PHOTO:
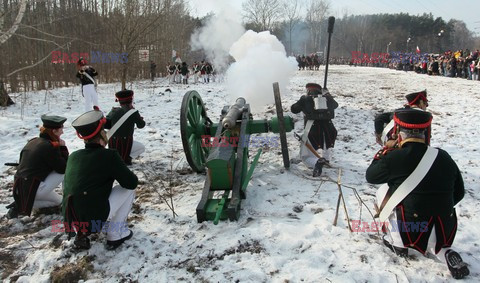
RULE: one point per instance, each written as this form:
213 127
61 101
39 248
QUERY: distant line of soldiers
309 62
180 73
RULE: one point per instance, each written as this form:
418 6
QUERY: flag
418 49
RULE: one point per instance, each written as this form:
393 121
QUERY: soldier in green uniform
423 186
89 196
41 169
121 121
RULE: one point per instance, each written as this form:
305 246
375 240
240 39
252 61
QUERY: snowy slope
285 231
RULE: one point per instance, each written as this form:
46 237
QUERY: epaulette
382 152
55 143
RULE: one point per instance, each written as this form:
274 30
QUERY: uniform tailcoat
433 199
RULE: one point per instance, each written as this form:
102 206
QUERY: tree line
40 53
302 29
53 34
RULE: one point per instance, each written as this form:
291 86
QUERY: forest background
42 49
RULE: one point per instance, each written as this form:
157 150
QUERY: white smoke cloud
260 60
218 34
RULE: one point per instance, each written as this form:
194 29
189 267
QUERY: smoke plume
260 60
220 31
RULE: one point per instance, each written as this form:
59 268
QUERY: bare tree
316 14
263 14
42 50
138 25
291 11
461 35
21 11
5 99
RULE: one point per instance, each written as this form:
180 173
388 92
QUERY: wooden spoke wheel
194 123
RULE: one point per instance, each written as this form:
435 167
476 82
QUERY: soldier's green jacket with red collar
89 180
432 200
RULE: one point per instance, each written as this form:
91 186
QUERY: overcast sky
465 10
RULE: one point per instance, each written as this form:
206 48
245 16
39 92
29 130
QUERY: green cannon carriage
221 150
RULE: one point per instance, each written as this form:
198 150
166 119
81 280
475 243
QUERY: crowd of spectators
454 64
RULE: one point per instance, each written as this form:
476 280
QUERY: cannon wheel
193 124
281 126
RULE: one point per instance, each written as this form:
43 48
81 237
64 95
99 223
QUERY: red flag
418 50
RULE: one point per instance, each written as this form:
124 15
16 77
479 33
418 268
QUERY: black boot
317 171
12 211
48 210
455 264
81 242
111 245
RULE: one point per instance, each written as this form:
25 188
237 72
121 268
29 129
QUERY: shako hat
81 62
313 89
415 97
89 124
53 121
410 118
124 96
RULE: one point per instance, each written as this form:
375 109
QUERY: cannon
221 151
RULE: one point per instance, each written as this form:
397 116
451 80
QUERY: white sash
120 122
89 77
387 130
410 183
308 126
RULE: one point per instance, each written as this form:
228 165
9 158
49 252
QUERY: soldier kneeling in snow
384 121
423 184
318 106
42 165
121 121
89 196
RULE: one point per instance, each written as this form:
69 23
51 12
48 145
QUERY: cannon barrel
233 113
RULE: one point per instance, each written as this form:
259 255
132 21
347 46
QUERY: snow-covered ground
285 231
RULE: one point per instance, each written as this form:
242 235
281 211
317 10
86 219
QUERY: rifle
11 164
307 144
